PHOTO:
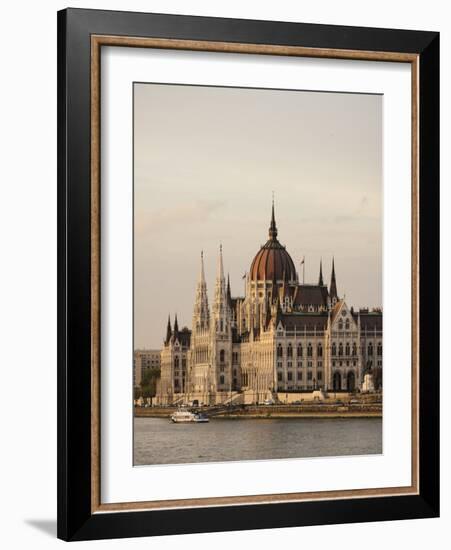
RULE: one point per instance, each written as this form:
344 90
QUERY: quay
307 410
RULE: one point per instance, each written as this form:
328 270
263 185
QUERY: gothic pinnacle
320 281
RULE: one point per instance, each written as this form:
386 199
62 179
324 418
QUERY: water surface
159 441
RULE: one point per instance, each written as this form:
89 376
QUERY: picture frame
81 36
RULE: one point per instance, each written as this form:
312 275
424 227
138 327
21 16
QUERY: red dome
272 261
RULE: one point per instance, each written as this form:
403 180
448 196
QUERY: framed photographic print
248 274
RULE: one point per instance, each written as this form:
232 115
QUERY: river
158 441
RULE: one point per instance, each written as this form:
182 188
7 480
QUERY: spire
176 325
220 264
229 294
272 227
333 283
168 331
202 272
220 305
201 313
320 281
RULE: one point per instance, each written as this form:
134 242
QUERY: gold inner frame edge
97 41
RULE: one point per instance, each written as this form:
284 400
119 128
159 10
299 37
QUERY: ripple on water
158 441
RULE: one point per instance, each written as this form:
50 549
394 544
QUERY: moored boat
188 416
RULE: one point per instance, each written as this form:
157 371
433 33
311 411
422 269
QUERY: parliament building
283 337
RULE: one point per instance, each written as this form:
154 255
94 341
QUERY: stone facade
282 336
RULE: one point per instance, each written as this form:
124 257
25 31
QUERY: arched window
279 351
222 356
176 362
370 349
340 349
347 324
379 348
221 379
309 350
340 325
289 351
347 349
299 350
354 349
334 349
319 350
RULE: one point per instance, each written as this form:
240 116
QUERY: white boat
188 416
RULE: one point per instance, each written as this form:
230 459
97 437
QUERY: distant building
282 336
144 359
174 357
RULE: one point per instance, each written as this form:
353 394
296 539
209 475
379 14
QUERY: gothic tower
201 314
221 332
221 313
199 377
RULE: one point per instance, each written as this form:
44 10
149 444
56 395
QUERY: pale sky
206 161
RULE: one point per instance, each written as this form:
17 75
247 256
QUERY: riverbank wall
277 411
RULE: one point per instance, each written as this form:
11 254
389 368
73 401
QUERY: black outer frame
75 520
